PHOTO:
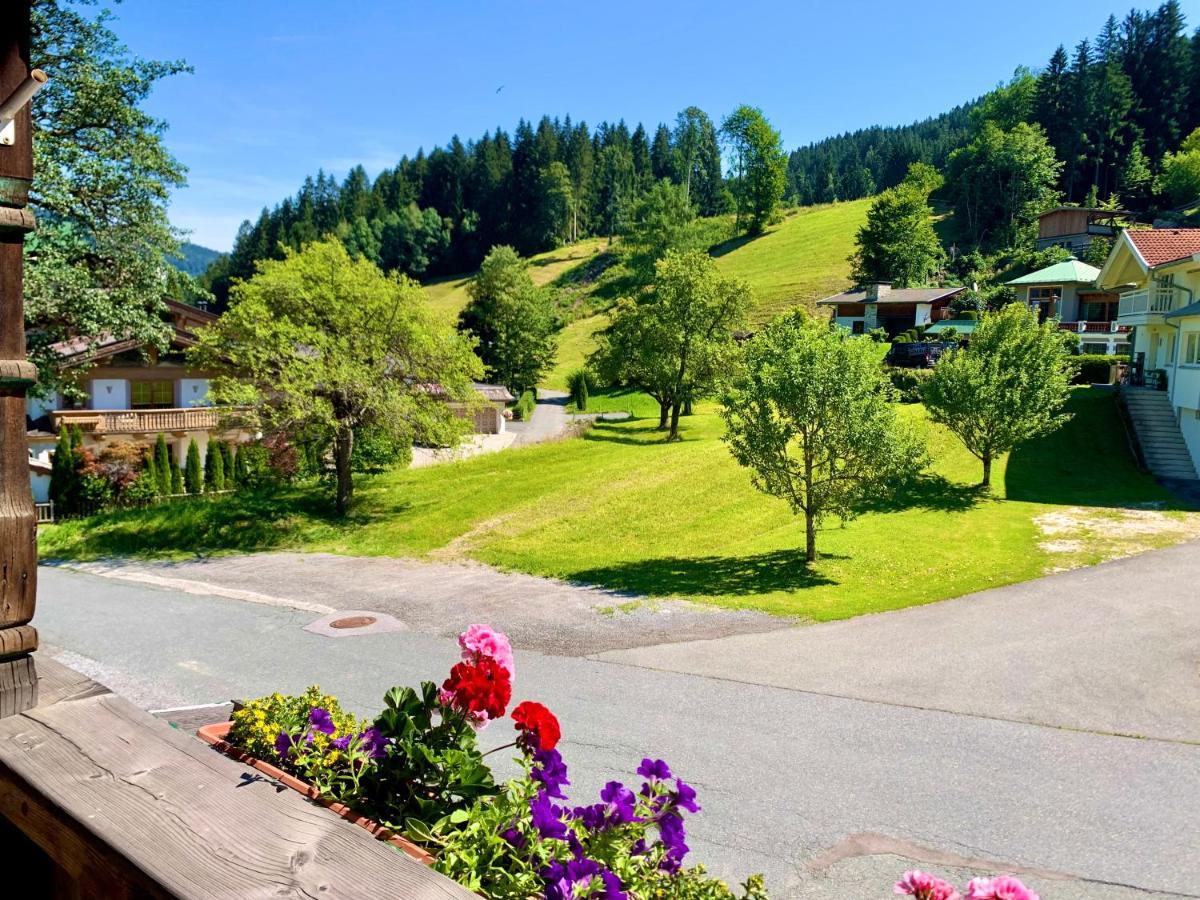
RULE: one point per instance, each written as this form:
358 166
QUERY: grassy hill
798 261
620 508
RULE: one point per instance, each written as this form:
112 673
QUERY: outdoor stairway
1158 433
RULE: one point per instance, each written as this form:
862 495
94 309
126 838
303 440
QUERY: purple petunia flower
283 744
321 721
551 771
672 834
342 743
612 887
684 796
373 743
620 802
547 818
514 838
654 770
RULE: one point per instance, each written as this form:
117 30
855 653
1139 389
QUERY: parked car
922 355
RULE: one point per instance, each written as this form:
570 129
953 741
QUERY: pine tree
193 474
163 464
661 156
214 468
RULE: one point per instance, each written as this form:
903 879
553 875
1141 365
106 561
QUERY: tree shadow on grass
733 243
248 521
929 492
640 435
709 576
1086 462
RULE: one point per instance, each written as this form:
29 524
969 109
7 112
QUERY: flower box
215 734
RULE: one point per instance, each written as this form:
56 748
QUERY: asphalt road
830 796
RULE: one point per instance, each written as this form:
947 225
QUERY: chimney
877 289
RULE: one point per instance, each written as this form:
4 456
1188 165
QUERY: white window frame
1191 348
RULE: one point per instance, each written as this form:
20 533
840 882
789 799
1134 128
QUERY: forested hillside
194 259
1111 107
1102 122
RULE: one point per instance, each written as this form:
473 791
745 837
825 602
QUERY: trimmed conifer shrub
163 464
214 467
176 479
193 474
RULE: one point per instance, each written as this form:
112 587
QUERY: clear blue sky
281 89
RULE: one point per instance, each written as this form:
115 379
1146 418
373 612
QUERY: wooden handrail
141 421
122 805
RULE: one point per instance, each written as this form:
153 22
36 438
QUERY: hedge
1094 368
908 382
524 407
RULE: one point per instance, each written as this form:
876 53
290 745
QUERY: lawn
798 261
621 509
447 296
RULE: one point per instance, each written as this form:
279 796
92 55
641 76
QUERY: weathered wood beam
126 806
18 518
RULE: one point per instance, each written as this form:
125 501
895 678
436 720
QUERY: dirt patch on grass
1081 535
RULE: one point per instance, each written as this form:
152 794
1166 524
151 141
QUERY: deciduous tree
759 163
898 243
514 322
679 339
321 343
1007 387
813 420
103 176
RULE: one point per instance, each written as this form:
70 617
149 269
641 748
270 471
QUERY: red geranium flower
537 725
479 689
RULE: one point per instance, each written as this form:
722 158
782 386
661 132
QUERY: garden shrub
579 384
214 467
176 480
525 406
1094 368
163 465
908 382
193 475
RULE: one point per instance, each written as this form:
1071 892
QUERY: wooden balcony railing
139 421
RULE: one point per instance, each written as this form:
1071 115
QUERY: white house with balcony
131 392
1156 273
1067 291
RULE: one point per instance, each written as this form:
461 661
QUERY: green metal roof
1066 272
961 326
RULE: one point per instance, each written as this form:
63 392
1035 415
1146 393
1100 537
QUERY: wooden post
18 519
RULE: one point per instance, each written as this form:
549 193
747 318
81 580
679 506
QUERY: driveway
976 734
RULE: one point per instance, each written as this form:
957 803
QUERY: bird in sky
499 89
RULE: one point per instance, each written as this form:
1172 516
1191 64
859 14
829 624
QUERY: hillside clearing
620 509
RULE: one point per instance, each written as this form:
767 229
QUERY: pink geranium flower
483 640
924 886
1002 887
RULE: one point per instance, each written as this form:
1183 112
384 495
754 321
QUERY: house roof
1158 246
1086 209
40 466
1192 309
897 295
1069 271
496 393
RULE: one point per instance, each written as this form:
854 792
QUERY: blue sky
281 89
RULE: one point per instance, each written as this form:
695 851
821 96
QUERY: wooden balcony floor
126 806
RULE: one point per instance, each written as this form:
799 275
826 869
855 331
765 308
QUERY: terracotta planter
215 734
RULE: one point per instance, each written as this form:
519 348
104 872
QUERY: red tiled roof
1164 245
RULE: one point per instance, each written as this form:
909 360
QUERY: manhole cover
353 622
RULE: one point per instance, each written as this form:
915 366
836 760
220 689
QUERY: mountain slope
195 258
